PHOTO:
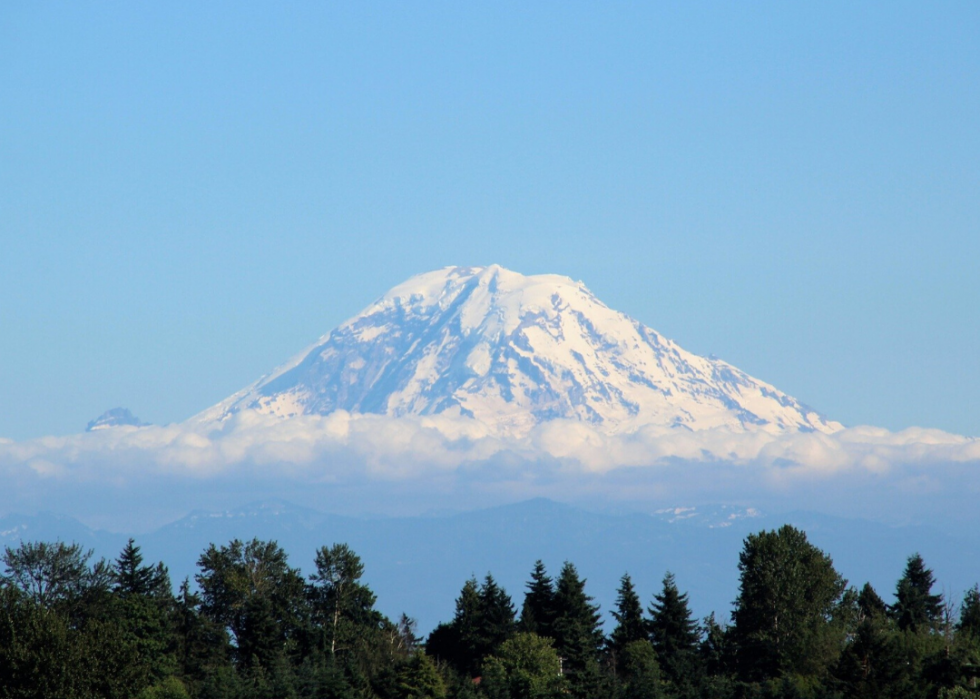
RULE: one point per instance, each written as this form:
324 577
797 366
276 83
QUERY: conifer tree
916 608
577 626
495 623
630 624
673 631
538 612
131 577
870 604
969 623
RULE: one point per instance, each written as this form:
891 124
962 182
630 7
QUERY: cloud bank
428 458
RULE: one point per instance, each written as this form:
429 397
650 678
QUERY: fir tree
870 604
131 577
969 623
538 612
673 631
577 627
495 623
630 624
915 607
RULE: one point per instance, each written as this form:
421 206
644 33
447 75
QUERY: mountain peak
514 351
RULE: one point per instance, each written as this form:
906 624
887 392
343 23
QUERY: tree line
252 626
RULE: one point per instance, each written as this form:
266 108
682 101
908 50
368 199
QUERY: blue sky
190 194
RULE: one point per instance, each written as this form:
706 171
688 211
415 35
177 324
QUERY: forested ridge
250 625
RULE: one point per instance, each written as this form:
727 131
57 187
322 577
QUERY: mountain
116 417
417 565
513 351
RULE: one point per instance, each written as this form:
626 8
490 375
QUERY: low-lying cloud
432 457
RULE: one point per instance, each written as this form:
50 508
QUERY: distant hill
418 564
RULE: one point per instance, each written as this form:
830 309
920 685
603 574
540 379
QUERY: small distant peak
116 417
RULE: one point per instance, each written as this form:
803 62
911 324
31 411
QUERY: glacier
512 352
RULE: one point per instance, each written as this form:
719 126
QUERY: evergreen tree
630 624
674 633
915 607
870 605
495 623
969 623
578 633
788 591
538 612
131 577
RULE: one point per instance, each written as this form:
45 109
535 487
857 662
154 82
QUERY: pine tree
630 624
131 577
870 604
915 607
673 631
538 612
495 623
969 623
577 626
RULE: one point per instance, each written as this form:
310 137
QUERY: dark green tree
969 622
484 619
496 622
674 634
131 577
916 608
630 624
524 667
538 611
250 589
639 671
51 574
788 592
342 606
578 633
870 605
420 679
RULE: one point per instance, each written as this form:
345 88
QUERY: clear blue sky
192 192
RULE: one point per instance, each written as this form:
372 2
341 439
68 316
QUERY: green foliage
870 604
674 634
71 628
420 679
484 619
130 577
916 608
630 624
170 688
251 590
788 592
526 666
53 574
639 671
969 623
538 612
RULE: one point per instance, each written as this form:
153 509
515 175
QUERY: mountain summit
513 351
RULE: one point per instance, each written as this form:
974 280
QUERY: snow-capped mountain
513 351
116 417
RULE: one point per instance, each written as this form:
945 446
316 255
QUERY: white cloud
560 458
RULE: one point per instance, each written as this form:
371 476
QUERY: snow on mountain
115 417
513 351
